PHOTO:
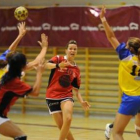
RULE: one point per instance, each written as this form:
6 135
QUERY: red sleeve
56 59
77 80
21 88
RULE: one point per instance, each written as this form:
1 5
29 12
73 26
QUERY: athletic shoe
108 131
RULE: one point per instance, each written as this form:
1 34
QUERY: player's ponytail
134 46
139 54
16 64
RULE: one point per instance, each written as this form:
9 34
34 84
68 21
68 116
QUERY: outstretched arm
44 44
84 104
109 32
37 85
22 31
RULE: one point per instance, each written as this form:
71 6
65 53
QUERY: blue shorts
130 105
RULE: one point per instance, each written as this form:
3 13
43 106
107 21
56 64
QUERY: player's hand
22 29
41 66
103 11
85 105
44 41
64 64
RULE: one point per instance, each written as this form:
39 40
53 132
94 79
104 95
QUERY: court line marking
72 127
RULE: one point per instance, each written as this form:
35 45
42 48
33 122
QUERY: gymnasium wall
99 82
67 2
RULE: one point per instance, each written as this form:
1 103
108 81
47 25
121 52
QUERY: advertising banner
62 24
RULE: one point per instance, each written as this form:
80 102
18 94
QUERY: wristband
57 65
103 19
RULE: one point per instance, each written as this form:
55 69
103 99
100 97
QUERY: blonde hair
134 46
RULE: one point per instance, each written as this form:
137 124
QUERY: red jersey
10 92
62 81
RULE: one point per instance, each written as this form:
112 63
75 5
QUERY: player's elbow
109 37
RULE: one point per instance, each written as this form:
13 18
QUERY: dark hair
9 56
71 42
134 46
16 63
3 63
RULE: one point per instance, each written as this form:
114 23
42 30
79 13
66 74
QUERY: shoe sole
107 138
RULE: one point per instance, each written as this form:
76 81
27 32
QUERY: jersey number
134 71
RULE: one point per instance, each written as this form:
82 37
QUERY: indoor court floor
42 127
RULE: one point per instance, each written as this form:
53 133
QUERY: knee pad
137 127
21 138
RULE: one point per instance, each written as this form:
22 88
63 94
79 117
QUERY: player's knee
69 119
137 127
21 138
137 130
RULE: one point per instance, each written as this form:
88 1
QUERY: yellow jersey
3 57
2 72
129 71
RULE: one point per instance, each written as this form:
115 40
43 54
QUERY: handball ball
21 13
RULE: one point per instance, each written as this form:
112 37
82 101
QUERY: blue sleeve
122 51
3 56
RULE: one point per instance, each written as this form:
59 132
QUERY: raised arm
109 32
37 85
44 44
22 31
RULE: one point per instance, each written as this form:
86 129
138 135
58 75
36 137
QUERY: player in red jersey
63 80
4 57
12 88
